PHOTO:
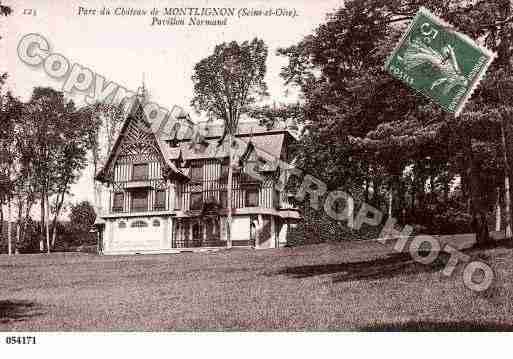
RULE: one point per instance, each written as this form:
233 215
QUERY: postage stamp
439 62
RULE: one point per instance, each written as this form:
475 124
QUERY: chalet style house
168 192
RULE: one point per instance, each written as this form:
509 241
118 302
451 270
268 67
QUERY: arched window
122 224
156 223
139 224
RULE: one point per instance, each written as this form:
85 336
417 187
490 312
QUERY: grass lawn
342 286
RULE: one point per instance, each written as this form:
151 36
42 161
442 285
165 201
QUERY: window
140 172
140 201
224 171
122 224
139 224
251 172
196 200
160 199
223 198
117 204
156 223
252 197
276 198
196 172
185 230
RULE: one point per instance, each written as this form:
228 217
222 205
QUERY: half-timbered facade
168 193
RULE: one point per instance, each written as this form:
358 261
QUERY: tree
9 115
225 84
60 137
82 217
5 184
108 119
4 11
370 128
25 186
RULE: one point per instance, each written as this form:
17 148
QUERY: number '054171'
20 340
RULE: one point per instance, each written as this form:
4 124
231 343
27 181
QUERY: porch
209 232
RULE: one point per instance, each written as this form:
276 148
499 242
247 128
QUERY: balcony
285 200
139 184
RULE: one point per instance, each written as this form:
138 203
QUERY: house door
213 235
197 234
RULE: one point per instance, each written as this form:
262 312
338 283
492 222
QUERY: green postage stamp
439 62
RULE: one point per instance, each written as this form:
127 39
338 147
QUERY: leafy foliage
363 128
229 80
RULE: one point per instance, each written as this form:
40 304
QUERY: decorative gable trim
137 143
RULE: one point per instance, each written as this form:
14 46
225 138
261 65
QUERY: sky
123 48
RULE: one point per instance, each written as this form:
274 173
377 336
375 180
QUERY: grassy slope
349 285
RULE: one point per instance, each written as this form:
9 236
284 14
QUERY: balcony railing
285 202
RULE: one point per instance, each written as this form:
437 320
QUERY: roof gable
136 140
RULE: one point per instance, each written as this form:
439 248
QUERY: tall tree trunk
390 202
28 208
47 215
54 235
366 193
9 227
18 237
479 222
18 224
498 211
97 195
1 221
60 201
465 188
507 198
229 194
42 227
376 192
447 188
402 200
414 185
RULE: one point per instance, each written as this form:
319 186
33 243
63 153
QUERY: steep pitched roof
247 127
268 142
268 145
137 113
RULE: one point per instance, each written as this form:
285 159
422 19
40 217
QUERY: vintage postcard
252 166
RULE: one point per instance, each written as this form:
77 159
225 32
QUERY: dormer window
140 172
